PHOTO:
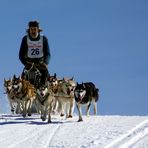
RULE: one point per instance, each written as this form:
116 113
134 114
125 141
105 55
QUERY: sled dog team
56 96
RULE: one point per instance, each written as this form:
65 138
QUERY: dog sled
32 73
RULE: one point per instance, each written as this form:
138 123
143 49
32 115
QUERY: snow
94 132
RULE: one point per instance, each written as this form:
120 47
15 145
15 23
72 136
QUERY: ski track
132 137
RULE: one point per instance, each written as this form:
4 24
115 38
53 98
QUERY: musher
35 49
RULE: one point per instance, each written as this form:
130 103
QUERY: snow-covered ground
93 132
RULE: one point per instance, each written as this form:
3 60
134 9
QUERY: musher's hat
34 23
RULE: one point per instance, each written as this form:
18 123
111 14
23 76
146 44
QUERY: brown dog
25 93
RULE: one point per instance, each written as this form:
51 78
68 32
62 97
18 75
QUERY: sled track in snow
132 137
52 136
33 137
39 137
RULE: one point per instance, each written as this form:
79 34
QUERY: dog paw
70 116
12 111
29 114
24 115
62 115
80 120
43 118
49 121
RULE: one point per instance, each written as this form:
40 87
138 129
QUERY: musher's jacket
34 50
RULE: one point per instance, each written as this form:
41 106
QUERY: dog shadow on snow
9 119
53 121
15 119
29 120
18 119
15 122
44 122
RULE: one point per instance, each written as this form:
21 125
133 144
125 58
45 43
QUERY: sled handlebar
36 64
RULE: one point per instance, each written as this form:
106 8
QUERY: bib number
35 51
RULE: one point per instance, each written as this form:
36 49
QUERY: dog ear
83 84
72 79
64 79
55 75
11 79
14 76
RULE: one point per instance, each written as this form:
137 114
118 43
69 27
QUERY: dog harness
35 48
42 99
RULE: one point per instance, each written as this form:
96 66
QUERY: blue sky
102 41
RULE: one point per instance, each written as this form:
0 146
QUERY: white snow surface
94 132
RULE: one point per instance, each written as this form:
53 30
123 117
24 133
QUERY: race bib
35 48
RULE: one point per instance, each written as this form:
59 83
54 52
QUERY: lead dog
25 93
85 94
45 99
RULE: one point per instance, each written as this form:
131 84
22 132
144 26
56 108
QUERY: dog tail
96 94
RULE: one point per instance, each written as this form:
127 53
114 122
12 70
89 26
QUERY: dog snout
15 88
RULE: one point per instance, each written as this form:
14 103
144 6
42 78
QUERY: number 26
35 51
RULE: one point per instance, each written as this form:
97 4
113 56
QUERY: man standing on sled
34 49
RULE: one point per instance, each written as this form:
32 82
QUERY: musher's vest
35 48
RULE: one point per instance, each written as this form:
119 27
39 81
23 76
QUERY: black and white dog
85 94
